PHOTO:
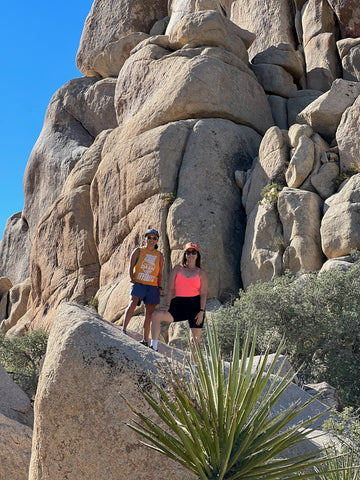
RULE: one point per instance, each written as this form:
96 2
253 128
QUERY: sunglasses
149 237
190 252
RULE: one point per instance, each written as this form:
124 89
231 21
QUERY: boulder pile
229 123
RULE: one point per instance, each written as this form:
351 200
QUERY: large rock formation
16 421
80 413
89 368
172 127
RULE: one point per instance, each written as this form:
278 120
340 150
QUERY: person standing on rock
190 283
145 270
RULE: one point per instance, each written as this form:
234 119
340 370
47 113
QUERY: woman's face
191 256
151 241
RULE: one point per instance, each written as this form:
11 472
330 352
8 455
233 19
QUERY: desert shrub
319 317
21 356
345 426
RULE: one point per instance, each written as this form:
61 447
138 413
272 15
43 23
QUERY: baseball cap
152 231
192 246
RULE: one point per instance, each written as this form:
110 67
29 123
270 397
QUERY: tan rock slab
270 167
324 180
261 258
14 403
300 214
15 449
301 162
348 16
317 17
324 114
272 22
298 101
209 28
340 233
108 21
64 259
18 301
15 248
274 79
348 137
108 63
322 62
284 55
90 366
144 102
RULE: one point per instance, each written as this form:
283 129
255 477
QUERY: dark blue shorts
186 308
146 293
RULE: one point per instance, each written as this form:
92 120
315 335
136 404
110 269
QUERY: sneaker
144 343
152 348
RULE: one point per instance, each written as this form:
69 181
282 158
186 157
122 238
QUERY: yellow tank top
147 268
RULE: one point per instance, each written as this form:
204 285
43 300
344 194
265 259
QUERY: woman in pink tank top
189 282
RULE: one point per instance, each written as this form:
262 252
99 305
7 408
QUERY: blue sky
39 43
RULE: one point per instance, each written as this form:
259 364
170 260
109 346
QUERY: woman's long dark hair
198 259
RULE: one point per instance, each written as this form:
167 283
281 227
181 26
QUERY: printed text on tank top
187 286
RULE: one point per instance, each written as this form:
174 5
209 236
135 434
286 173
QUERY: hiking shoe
152 348
144 343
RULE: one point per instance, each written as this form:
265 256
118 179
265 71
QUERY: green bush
21 356
319 317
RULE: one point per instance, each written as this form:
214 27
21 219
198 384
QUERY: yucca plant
339 468
218 420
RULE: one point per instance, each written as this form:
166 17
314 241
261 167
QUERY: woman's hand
200 318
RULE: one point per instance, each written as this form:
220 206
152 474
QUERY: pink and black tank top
187 287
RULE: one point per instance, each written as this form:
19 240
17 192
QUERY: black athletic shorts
186 308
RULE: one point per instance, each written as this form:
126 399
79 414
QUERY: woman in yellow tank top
145 271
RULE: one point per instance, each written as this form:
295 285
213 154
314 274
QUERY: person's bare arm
134 256
203 295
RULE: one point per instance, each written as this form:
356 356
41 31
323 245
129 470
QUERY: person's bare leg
158 317
129 312
149 310
195 336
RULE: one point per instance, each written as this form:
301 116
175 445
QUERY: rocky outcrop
15 249
16 305
74 117
108 22
16 420
15 449
172 127
14 403
89 368
340 232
